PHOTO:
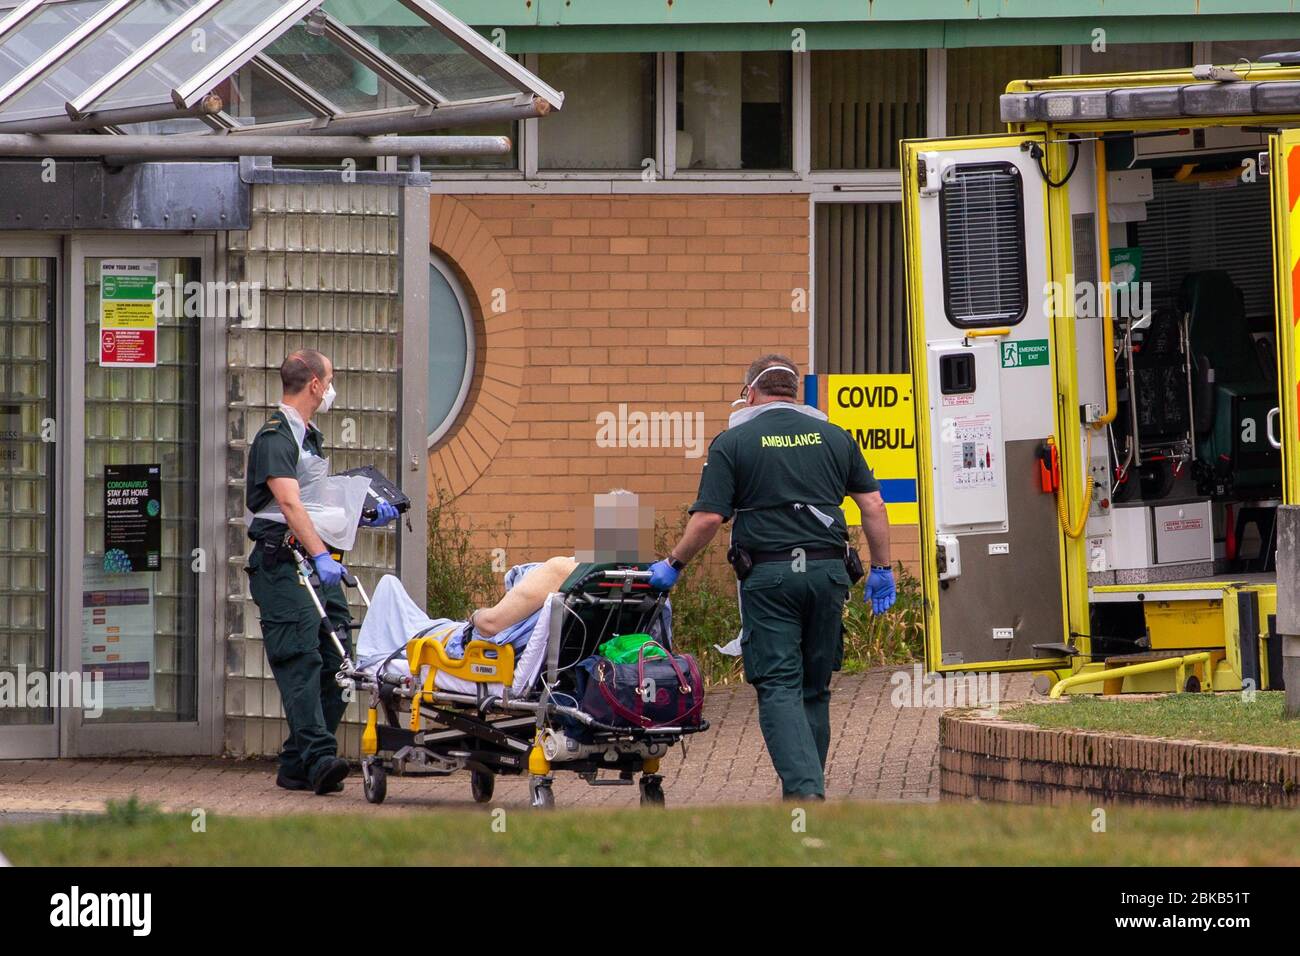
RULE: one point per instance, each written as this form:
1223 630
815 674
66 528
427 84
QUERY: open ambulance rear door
993 561
1284 181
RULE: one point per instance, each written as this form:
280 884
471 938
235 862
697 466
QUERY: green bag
626 648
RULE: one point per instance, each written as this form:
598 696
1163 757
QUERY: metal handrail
1129 670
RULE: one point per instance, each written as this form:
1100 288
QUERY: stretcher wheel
543 797
374 782
481 785
652 791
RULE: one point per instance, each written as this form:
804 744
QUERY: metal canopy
254 68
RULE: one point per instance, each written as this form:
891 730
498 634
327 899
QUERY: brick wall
993 759
657 303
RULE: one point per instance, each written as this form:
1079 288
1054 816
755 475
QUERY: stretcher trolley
492 712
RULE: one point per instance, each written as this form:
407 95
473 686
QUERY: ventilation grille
982 230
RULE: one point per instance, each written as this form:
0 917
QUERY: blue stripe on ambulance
897 491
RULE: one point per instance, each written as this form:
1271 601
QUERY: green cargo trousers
792 636
303 660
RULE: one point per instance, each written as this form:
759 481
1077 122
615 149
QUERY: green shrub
461 577
895 637
705 613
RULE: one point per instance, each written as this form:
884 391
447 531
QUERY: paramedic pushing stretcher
286 456
782 470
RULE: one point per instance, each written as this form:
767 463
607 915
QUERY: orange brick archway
467 449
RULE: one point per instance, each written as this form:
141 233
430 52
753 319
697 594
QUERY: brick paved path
878 752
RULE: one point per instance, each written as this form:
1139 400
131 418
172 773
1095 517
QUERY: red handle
1049 467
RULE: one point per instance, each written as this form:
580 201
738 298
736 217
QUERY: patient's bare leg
525 598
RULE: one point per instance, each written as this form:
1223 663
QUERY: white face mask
327 399
744 392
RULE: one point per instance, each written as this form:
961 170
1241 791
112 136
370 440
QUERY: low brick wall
992 759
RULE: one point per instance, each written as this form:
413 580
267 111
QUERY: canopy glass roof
301 66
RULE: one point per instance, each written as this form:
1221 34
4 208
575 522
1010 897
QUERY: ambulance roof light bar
1262 98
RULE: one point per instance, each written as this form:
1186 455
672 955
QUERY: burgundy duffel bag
663 691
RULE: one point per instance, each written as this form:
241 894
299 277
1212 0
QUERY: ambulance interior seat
1234 380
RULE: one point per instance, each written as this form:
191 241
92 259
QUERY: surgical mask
327 399
744 392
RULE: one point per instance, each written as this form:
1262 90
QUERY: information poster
972 452
128 318
877 410
132 518
117 634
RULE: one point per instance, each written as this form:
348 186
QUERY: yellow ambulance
1103 306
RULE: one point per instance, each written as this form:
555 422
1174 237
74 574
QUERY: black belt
809 554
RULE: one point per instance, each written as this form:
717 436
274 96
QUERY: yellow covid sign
878 411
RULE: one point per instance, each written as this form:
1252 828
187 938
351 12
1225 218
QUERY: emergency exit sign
1025 353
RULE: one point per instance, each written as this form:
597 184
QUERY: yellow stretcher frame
1070 430
483 663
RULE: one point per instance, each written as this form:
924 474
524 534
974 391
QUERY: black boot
328 775
289 781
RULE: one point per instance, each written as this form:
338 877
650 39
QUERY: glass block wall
327 260
27 485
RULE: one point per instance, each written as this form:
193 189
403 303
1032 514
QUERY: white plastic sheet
333 502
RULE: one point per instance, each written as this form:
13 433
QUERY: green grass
836 833
1223 717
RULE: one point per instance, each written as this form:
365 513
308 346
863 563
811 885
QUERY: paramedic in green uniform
285 453
782 470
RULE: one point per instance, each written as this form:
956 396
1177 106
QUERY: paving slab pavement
878 752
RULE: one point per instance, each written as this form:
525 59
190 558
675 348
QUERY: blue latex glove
384 514
328 570
663 575
879 591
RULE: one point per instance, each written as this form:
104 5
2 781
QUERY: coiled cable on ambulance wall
1039 156
1074 529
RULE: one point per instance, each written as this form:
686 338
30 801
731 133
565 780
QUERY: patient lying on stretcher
517 619
613 530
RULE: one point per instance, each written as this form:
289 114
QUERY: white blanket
393 619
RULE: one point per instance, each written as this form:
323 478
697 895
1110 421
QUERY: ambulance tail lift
1103 308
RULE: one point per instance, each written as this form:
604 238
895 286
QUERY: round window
451 349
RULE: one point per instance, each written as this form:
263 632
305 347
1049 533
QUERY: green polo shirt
274 454
758 470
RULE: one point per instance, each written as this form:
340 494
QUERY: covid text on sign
878 411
